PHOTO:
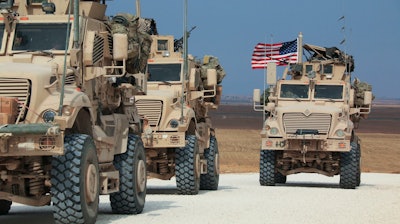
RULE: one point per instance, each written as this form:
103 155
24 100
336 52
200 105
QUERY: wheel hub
92 183
216 164
141 176
197 166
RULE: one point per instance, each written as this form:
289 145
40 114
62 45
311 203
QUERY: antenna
185 56
138 8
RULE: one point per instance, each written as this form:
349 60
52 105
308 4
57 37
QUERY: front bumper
31 140
306 143
164 140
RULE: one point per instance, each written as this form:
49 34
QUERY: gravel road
306 198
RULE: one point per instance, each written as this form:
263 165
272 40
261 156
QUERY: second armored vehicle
178 134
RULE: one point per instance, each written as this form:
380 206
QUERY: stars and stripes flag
280 53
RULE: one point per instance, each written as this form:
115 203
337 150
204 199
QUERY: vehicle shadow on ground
162 190
172 190
35 216
310 185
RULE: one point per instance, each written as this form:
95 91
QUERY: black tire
280 178
209 180
267 168
349 168
75 181
5 207
359 165
133 179
187 167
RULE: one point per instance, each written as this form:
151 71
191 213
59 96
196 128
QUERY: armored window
40 36
309 68
294 91
328 69
164 72
328 92
1 36
162 45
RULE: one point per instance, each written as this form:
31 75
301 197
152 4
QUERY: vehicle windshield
1 33
328 92
294 91
164 72
40 36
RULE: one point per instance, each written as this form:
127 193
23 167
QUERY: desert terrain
238 128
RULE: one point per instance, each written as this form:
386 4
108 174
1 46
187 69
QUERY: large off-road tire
75 181
5 207
280 178
133 179
349 168
187 168
359 165
267 168
209 180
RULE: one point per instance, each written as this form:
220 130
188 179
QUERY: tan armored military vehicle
69 127
311 117
178 134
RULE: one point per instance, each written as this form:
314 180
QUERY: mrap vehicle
311 114
69 128
178 134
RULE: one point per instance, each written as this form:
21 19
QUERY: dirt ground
238 128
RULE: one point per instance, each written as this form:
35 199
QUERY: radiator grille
151 109
19 88
316 121
98 50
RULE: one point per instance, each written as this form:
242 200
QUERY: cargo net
139 39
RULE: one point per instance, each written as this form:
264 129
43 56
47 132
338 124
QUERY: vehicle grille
294 121
19 88
151 109
98 49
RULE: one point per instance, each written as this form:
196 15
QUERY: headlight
48 116
173 123
67 110
339 133
274 131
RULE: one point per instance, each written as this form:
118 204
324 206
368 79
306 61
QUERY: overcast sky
229 30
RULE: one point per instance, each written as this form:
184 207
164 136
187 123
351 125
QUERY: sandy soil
238 128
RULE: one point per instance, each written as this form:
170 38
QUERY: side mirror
194 79
367 98
120 46
256 96
211 77
271 73
351 100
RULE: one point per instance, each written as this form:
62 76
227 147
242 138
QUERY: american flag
280 53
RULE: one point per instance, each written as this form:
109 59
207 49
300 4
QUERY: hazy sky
229 30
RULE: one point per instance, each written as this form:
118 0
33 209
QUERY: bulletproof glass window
328 92
294 91
164 72
328 69
40 36
1 34
309 68
162 45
